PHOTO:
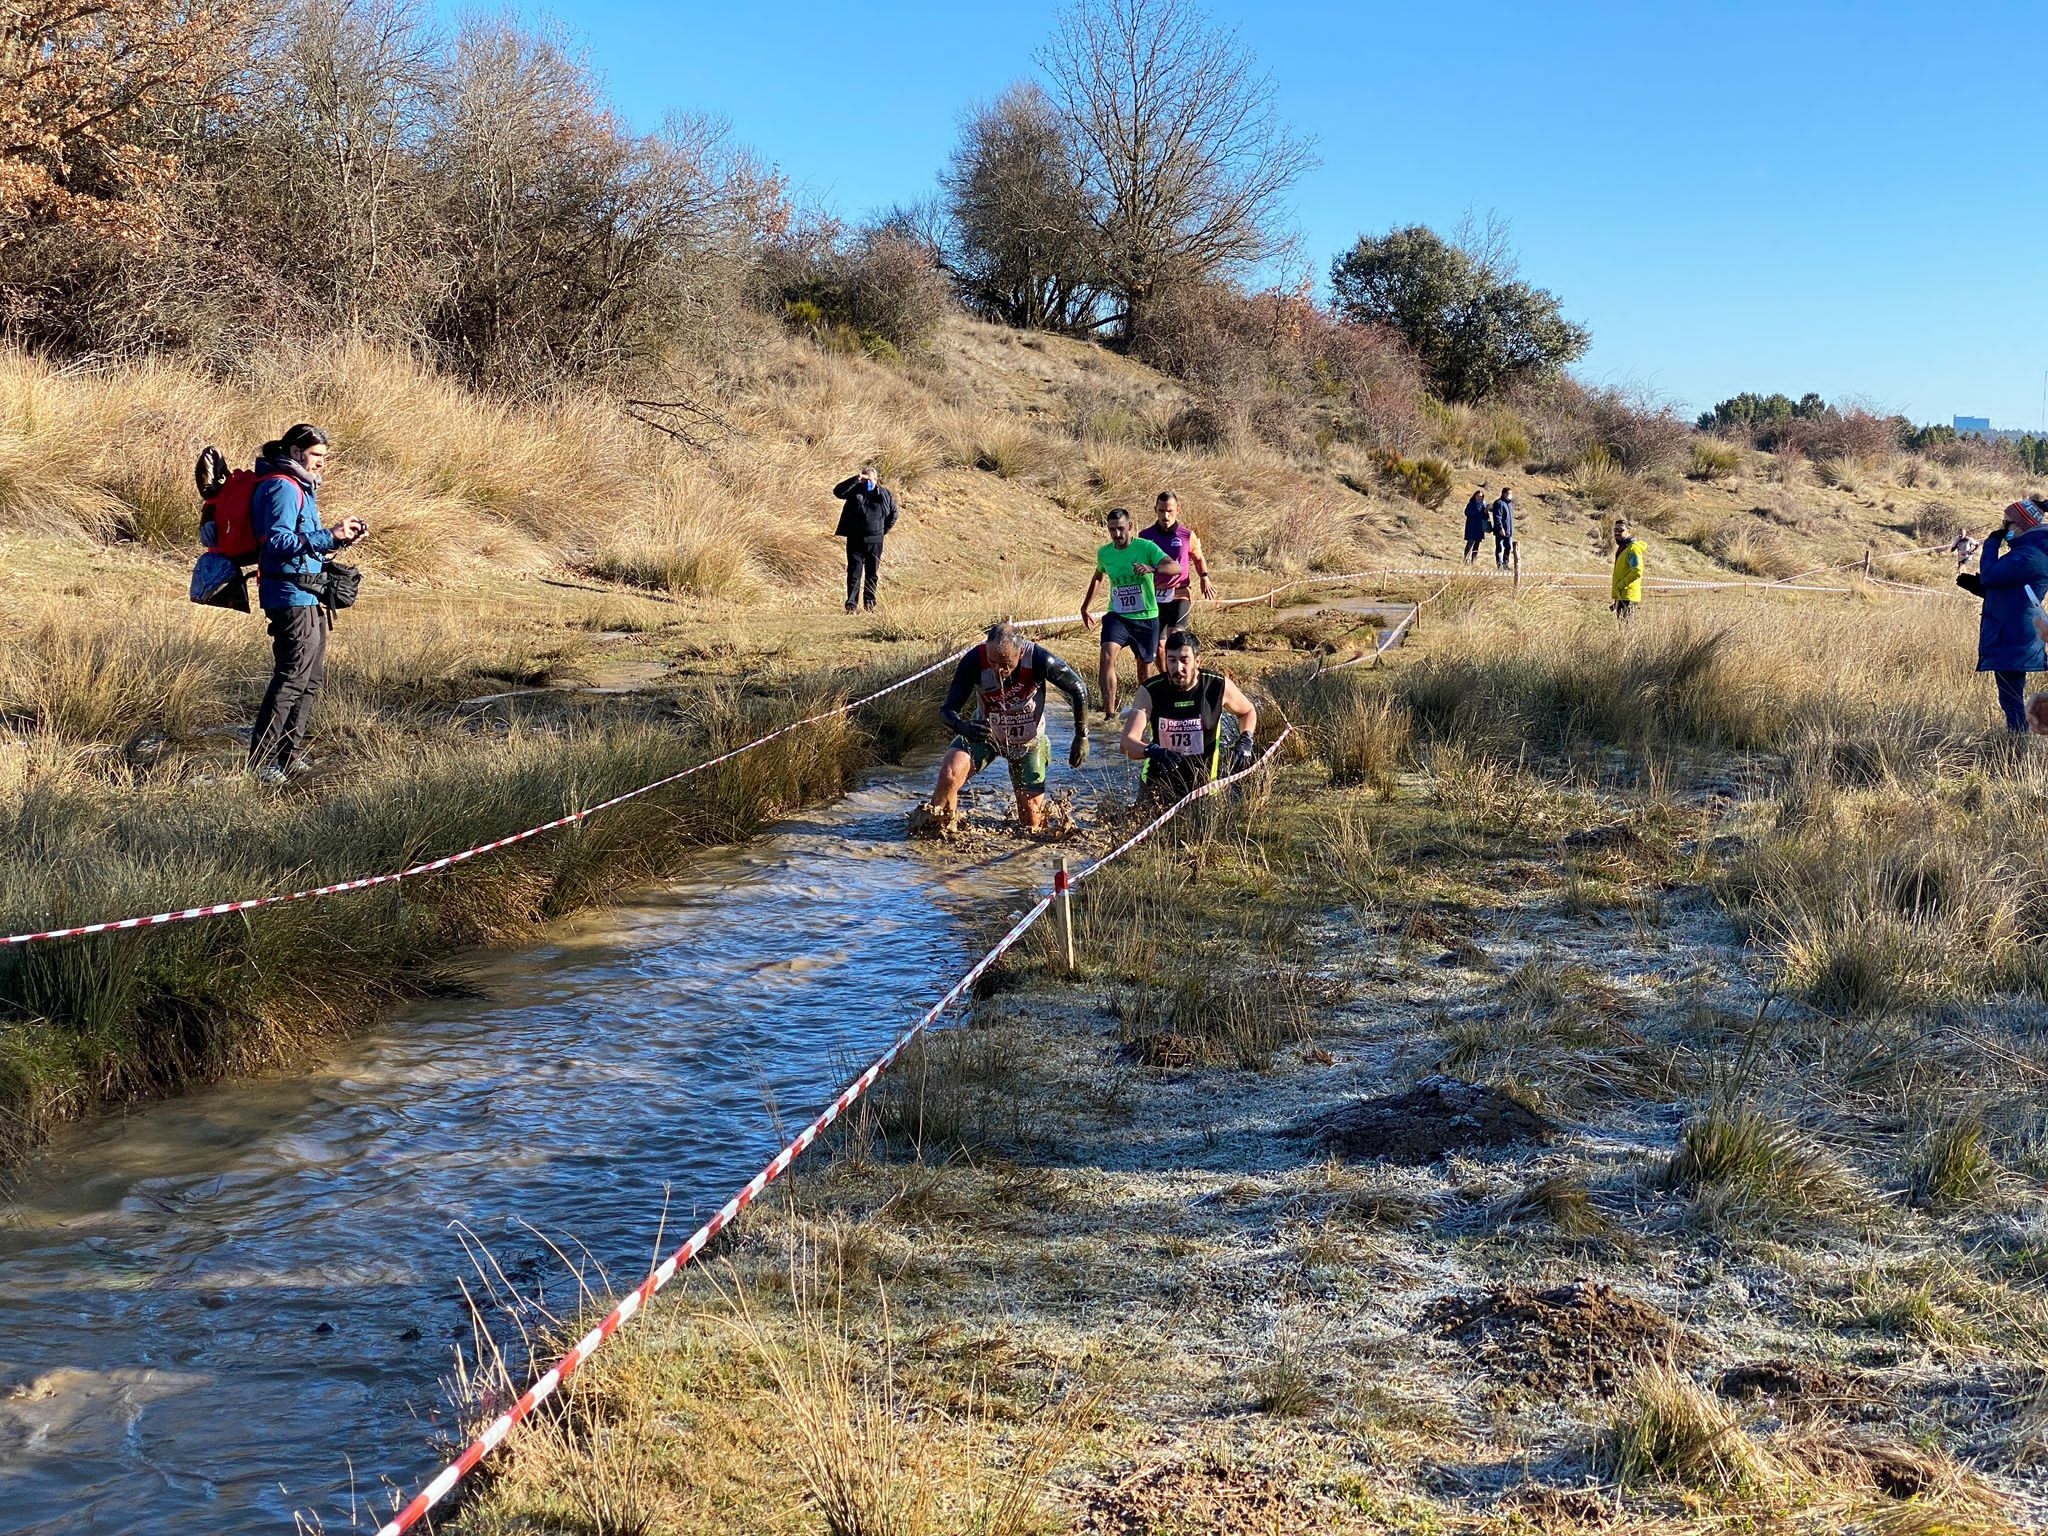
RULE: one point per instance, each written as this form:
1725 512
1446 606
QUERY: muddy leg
1107 676
1031 808
953 773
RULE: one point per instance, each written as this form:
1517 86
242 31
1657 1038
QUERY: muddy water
209 1308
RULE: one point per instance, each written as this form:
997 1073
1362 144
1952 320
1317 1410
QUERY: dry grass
1670 1429
1744 1169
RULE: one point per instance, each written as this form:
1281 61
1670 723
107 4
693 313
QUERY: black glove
1166 759
1970 582
1247 749
973 730
1077 754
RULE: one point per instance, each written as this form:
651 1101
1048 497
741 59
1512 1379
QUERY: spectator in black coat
1478 521
864 521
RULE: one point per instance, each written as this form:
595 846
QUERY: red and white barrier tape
449 861
635 1300
432 866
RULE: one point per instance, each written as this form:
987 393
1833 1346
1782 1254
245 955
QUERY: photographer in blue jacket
285 511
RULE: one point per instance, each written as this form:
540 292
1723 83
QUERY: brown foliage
85 94
1567 421
1855 436
470 196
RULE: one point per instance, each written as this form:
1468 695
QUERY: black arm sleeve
961 689
1068 681
845 487
889 510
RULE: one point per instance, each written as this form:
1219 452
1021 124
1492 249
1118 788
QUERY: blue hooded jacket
290 540
2006 641
1504 517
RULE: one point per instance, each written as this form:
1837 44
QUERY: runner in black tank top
1175 725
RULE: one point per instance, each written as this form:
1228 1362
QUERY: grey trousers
298 649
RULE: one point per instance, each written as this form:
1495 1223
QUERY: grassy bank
1476 1135
408 778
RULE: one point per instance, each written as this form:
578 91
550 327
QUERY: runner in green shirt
1130 566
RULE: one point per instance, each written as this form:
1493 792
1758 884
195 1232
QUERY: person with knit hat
2015 558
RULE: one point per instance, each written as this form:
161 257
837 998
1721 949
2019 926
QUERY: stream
240 1307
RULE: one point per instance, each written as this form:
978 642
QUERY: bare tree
336 139
575 248
1176 145
1020 237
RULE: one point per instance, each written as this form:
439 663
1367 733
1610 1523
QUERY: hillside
563 599
1028 435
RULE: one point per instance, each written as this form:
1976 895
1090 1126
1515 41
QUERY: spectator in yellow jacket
1628 571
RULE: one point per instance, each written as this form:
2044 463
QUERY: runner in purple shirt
1178 540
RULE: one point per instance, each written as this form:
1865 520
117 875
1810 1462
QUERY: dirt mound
1206 1495
1584 1336
1798 1387
1438 1115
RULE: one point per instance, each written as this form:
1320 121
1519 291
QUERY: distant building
1981 425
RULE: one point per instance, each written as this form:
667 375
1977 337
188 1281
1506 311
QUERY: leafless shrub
1178 152
1280 365
1020 241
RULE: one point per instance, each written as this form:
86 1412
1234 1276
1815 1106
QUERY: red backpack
227 523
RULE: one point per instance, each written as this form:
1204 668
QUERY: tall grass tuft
1670 1429
1713 461
1744 1168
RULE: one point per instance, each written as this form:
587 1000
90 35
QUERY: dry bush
1360 731
1506 441
1276 364
440 473
1198 426
1714 460
1952 1167
1566 420
1936 522
1598 479
1754 550
1892 898
83 676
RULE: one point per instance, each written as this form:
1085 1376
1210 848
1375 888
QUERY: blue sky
1847 198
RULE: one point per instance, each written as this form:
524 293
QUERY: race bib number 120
1127 599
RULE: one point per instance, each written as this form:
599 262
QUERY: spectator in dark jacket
1504 527
2008 646
290 543
864 521
1477 522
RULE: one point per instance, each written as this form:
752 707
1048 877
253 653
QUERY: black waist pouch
336 585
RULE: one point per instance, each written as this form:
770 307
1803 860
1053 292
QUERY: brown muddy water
241 1307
